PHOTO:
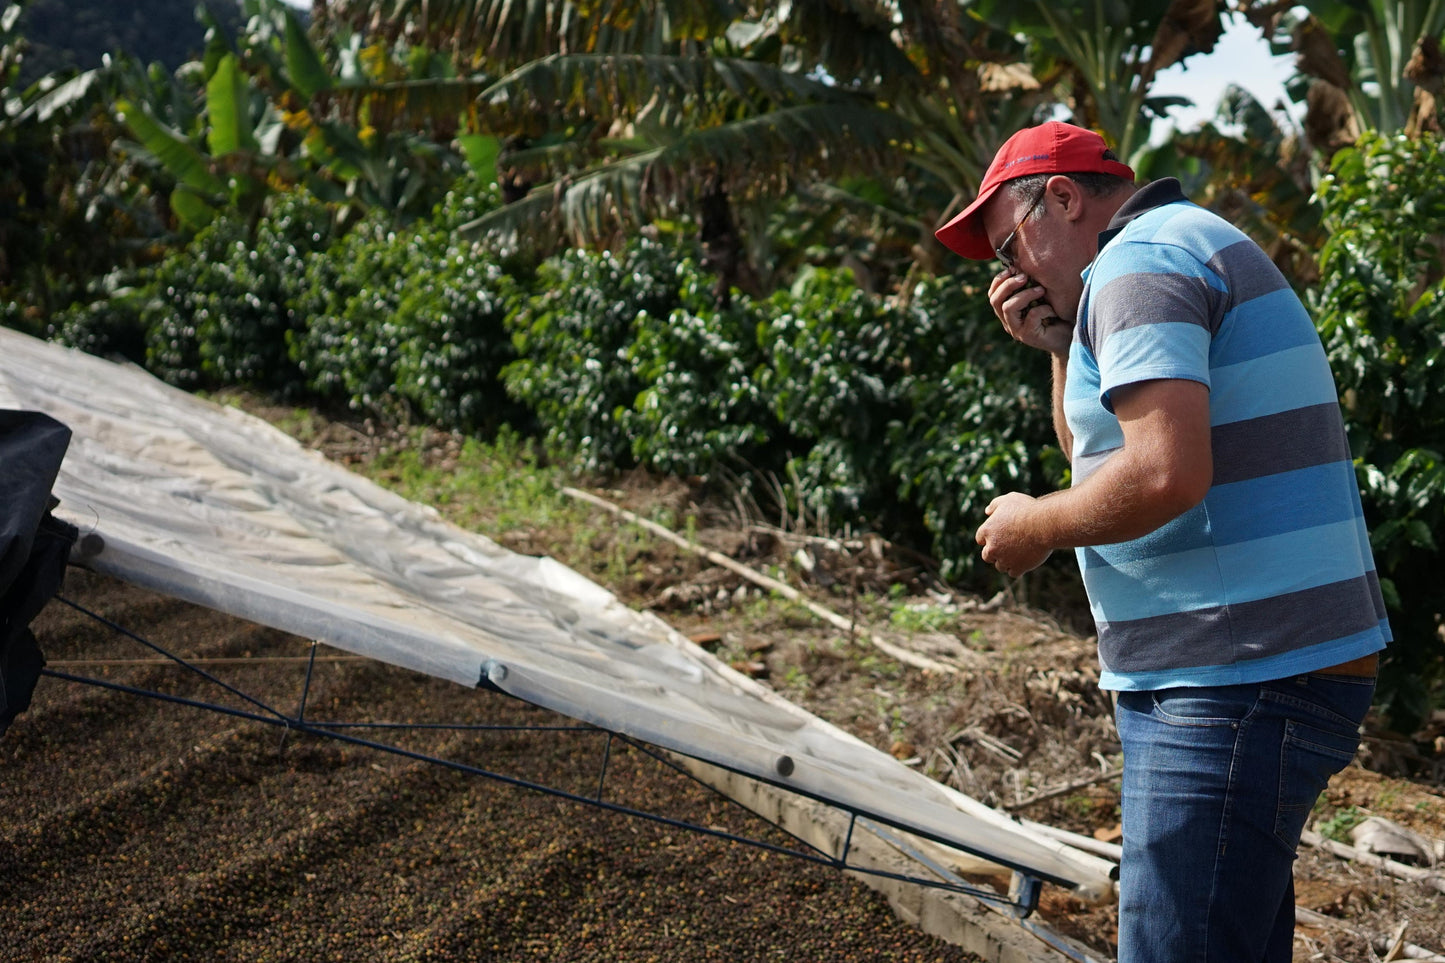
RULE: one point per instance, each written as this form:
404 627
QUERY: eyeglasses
1002 252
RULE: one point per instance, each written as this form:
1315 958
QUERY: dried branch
1394 945
757 578
1067 788
1399 870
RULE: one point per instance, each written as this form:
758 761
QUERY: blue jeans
1218 783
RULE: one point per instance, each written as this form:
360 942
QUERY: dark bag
34 547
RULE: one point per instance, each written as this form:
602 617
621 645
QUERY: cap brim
964 233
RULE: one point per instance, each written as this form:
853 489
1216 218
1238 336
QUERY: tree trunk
722 248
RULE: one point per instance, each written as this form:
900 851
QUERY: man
1215 516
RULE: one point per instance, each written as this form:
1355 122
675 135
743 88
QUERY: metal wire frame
1021 901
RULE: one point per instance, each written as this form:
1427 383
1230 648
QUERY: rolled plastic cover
213 506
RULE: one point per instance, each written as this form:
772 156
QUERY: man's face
1045 246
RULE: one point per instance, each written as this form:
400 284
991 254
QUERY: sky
1242 58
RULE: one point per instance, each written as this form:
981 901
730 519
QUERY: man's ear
1067 195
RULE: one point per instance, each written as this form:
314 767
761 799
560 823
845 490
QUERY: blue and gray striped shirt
1271 575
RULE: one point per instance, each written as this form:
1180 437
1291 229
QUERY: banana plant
227 155
1108 52
278 111
1253 166
1362 65
505 34
225 168
660 111
68 212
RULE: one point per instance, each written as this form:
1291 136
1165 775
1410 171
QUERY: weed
797 615
1338 826
880 667
795 680
922 617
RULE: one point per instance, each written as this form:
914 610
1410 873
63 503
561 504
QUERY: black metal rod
602 777
306 686
331 730
169 655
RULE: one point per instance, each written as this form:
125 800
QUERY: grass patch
489 487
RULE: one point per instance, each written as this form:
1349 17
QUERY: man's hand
1028 319
1011 538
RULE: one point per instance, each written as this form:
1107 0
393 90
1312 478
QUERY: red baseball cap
1051 148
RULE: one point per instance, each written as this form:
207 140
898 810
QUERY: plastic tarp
210 505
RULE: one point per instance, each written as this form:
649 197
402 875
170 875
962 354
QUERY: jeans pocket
1205 707
1309 756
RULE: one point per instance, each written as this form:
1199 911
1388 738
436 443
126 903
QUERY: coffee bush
220 309
700 406
1380 308
574 337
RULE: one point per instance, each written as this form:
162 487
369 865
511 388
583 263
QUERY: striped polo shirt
1271 575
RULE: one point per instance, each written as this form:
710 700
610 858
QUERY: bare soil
140 830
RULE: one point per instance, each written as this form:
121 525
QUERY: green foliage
702 405
1338 826
455 340
112 326
979 420
12 315
347 347
922 617
409 323
1381 312
1111 52
222 307
836 357
573 339
69 212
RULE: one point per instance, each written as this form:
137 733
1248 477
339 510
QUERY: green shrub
348 338
182 286
453 309
573 338
979 419
221 308
700 406
1380 308
835 364
410 324
454 341
113 326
